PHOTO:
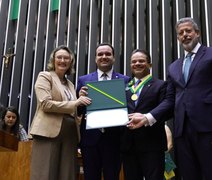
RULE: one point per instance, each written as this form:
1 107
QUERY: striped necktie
138 92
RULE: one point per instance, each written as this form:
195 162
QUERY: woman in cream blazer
55 126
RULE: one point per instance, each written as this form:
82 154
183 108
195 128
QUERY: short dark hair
51 65
106 44
143 52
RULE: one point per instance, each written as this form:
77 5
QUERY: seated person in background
11 123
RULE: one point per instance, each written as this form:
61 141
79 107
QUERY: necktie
138 92
104 78
187 66
104 75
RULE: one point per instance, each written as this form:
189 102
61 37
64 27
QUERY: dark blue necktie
104 75
187 66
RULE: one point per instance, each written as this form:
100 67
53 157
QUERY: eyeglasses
65 58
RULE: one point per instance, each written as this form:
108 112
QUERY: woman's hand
83 91
83 100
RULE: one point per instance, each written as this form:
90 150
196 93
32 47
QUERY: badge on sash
134 97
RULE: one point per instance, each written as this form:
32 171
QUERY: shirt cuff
150 119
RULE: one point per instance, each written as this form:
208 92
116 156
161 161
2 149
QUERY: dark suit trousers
102 158
56 158
138 164
194 153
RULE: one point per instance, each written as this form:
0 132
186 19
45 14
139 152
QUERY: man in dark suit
100 147
143 148
191 98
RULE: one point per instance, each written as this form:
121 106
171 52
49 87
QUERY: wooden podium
8 142
15 165
15 160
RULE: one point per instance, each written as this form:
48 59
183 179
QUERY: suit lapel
71 88
56 79
179 71
180 68
130 102
114 75
94 76
144 90
196 60
142 94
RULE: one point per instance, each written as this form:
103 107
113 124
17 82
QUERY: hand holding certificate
109 107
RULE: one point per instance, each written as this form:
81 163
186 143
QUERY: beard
191 45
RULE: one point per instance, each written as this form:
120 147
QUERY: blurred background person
11 123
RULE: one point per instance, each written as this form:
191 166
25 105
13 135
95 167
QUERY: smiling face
104 58
62 62
139 65
10 119
187 36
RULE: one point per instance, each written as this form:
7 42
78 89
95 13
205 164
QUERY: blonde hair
51 63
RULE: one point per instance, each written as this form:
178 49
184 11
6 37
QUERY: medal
134 97
136 85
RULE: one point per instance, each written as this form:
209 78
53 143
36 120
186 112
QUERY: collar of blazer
56 79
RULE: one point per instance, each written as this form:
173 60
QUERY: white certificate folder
109 106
